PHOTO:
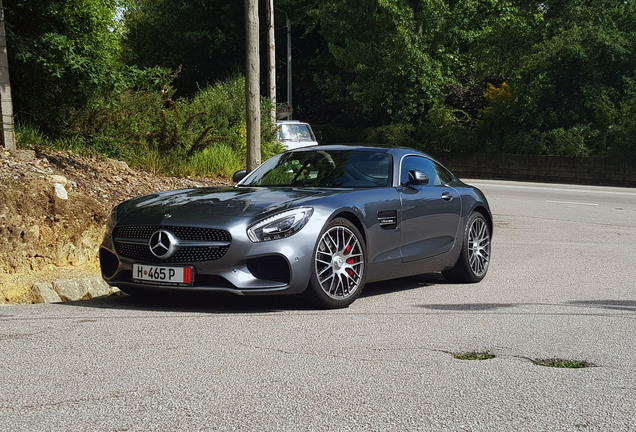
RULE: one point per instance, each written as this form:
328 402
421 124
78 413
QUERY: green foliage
555 77
484 40
202 136
384 65
29 135
218 160
392 135
62 55
204 38
417 72
575 77
575 86
183 136
453 138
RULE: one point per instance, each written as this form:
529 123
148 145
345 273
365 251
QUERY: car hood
211 205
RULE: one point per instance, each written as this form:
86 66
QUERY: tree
64 56
382 51
204 38
577 81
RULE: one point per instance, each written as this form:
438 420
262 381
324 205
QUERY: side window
444 175
422 164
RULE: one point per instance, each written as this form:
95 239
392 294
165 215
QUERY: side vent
388 219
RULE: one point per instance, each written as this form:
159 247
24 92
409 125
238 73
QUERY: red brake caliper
349 261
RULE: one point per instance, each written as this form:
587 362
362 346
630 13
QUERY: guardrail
550 169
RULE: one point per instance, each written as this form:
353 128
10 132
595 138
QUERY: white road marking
554 187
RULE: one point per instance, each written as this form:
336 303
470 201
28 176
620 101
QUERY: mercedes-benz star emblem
163 244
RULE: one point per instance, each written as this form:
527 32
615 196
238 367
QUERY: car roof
395 151
291 122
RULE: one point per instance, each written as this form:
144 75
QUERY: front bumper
274 267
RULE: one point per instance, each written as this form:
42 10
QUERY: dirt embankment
53 206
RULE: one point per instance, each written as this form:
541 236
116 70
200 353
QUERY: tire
339 260
472 264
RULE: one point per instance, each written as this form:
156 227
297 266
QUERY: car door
430 212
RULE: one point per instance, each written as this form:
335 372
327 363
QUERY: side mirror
417 178
239 175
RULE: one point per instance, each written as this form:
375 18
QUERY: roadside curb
72 290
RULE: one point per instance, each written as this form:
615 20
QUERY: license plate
163 275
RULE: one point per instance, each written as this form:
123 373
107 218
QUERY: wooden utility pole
252 85
271 42
289 68
6 104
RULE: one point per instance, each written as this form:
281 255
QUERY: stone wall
549 169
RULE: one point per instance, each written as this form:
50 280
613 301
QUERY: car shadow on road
222 303
402 284
213 303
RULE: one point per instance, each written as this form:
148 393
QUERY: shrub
149 130
392 135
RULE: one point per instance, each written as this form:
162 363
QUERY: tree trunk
271 39
6 104
252 85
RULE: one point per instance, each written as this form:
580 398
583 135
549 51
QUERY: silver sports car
321 221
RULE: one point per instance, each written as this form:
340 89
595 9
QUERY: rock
120 165
32 234
60 192
46 293
56 178
25 155
71 289
97 287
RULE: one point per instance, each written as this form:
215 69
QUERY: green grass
560 363
473 356
220 159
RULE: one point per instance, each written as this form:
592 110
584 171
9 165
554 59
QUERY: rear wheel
472 264
338 274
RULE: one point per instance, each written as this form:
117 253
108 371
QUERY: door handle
446 196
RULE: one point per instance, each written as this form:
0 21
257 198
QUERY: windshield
320 168
295 132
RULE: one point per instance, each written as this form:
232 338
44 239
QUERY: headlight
280 226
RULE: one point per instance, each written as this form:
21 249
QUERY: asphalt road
561 285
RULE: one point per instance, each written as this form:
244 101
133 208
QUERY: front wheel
474 257
338 273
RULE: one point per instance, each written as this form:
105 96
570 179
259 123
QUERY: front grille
183 233
185 254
